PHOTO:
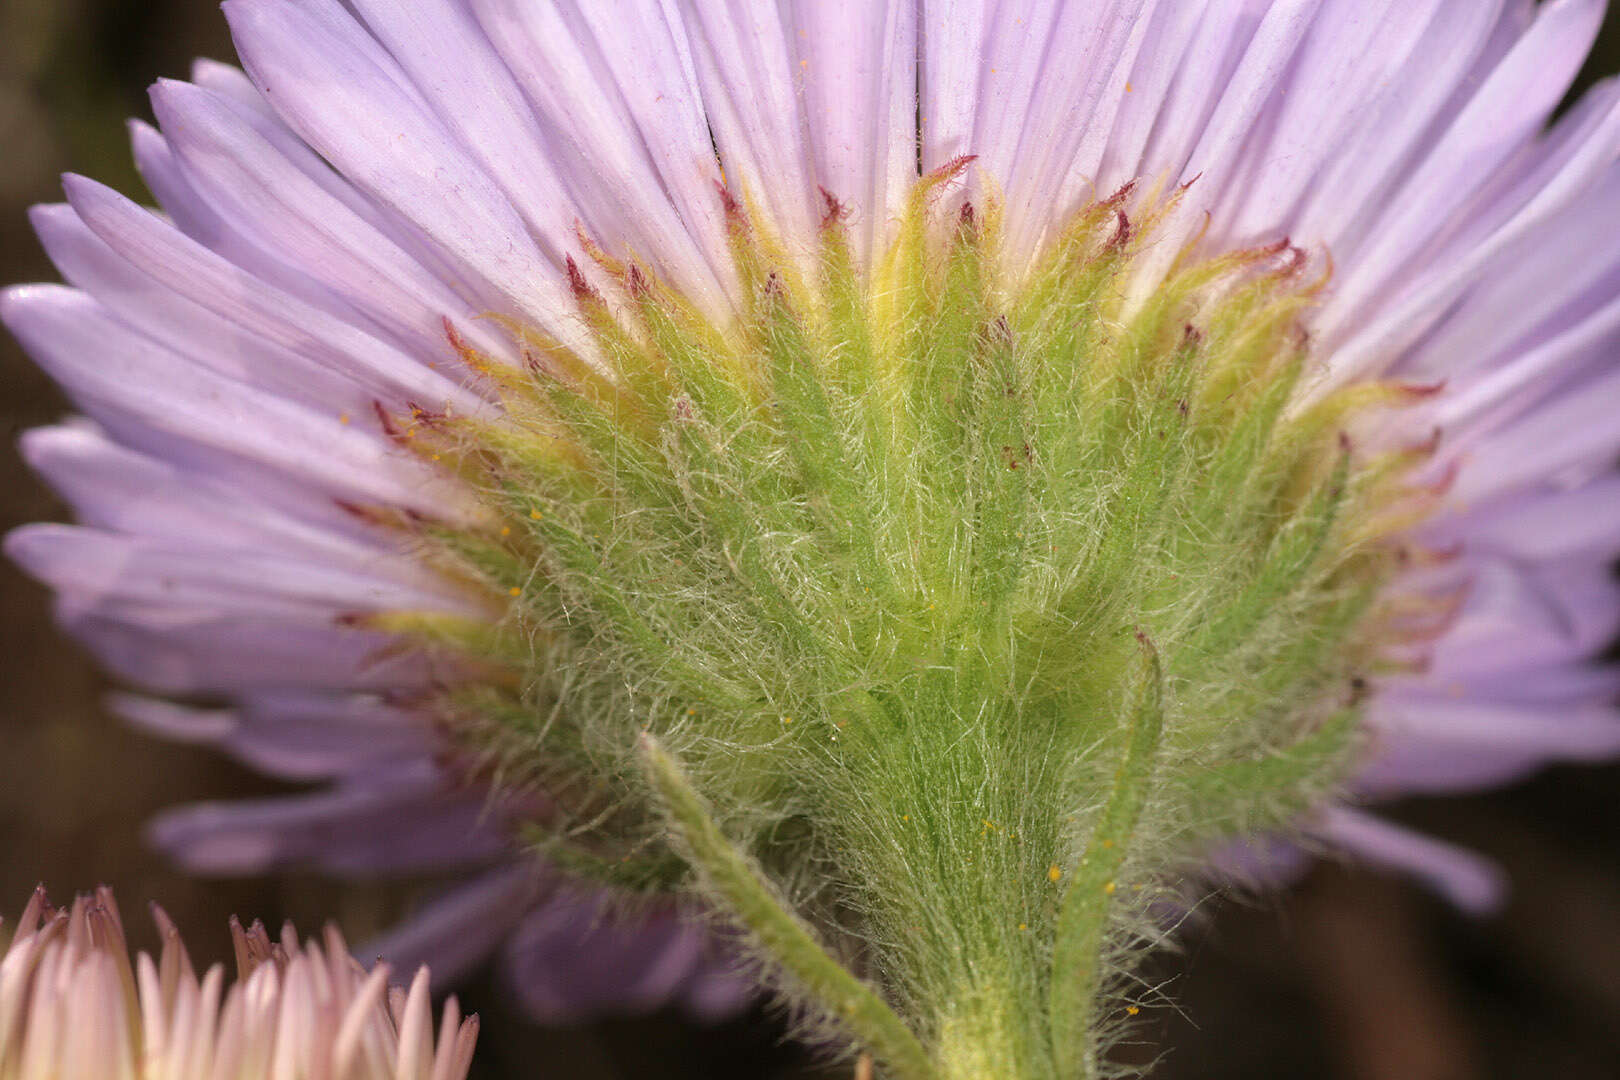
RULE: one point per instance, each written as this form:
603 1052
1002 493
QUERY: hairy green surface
966 610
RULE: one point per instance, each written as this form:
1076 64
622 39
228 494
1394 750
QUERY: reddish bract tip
452 334
775 290
999 331
1440 556
736 220
354 509
1121 194
635 281
967 219
1295 260
387 421
427 417
1122 231
1420 390
1428 446
833 212
1441 484
1276 247
582 289
951 169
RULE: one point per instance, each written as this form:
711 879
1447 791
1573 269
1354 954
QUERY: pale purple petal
626 126
446 56
1432 744
279 207
463 927
111 373
1240 111
954 34
578 954
1355 50
1418 80
1048 83
857 69
1473 883
643 51
1156 74
408 821
745 69
293 737
94 571
1549 281
147 306
114 488
176 652
1569 439
1578 523
337 87
257 307
1524 618
1504 114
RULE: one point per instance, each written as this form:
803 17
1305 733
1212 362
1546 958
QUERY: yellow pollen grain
1109 888
514 591
905 817
506 530
1131 1010
1054 872
787 719
1023 926
534 515
691 712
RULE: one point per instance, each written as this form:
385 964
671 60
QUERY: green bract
931 620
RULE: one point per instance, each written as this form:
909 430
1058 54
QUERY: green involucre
877 563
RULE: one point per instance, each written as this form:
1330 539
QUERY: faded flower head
925 479
73 1008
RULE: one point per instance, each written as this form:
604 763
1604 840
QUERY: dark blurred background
1350 976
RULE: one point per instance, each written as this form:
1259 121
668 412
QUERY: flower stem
781 936
1083 915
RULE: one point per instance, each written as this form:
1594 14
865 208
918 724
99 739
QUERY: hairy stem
780 935
1083 916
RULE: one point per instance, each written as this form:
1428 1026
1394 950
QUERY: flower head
945 465
73 1007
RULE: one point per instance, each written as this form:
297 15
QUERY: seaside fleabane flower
927 479
74 1007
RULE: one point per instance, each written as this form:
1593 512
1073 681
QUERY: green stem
1083 916
779 934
